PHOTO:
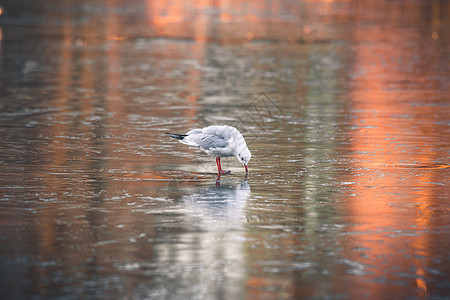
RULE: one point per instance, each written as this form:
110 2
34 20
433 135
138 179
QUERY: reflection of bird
218 206
221 141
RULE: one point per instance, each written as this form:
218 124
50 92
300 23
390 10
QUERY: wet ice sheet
345 110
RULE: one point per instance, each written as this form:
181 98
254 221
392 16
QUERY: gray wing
209 141
210 137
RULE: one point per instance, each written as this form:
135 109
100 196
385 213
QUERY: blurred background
344 105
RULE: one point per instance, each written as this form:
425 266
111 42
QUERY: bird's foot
222 172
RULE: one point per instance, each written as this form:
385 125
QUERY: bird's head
244 157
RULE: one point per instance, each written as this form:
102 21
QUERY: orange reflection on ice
394 152
237 21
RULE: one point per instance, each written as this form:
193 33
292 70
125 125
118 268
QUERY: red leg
219 167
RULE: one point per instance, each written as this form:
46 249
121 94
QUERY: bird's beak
246 169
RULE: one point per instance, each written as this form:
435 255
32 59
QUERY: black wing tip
177 136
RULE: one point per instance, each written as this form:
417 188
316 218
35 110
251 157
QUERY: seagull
218 140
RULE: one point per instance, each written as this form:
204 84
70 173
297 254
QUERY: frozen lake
344 105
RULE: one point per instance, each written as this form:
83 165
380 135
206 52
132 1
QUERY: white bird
220 141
